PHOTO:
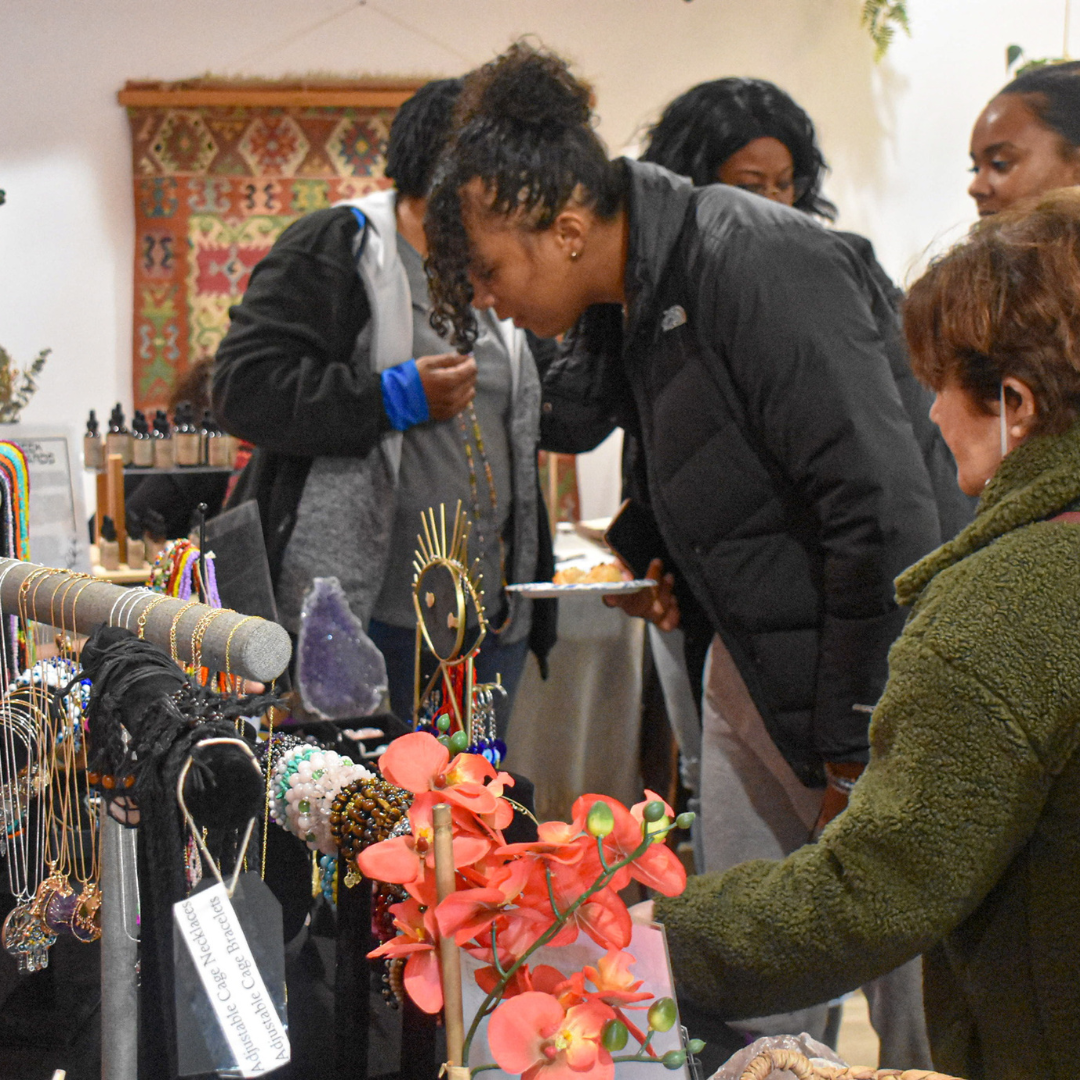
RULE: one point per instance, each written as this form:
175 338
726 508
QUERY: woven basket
794 1062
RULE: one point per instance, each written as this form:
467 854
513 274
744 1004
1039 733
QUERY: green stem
546 936
482 1068
551 891
634 1030
495 951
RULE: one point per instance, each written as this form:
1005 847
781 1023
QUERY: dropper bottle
93 447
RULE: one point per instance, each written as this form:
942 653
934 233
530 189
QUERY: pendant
26 938
86 922
59 908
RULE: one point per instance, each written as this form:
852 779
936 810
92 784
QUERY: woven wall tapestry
219 172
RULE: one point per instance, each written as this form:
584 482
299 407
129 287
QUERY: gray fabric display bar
242 645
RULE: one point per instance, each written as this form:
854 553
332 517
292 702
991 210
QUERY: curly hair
418 134
702 128
1003 302
1053 95
524 129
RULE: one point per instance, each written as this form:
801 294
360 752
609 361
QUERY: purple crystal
59 911
339 671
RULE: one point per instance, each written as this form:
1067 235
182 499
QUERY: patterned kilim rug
215 185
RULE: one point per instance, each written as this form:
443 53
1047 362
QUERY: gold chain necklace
474 492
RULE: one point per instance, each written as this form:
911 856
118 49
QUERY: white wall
896 134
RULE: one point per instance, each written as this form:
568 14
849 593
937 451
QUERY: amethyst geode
339 671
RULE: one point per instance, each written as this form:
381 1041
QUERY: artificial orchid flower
416 940
533 1036
468 913
419 763
603 916
402 860
657 867
516 931
557 841
614 985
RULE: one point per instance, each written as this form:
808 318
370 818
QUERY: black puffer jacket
777 457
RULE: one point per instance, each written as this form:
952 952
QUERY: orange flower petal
660 869
516 1031
413 761
468 913
421 978
393 860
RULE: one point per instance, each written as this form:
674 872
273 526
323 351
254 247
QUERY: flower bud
445 741
600 821
613 1036
656 830
695 1046
654 810
459 742
684 821
674 1059
443 723
662 1015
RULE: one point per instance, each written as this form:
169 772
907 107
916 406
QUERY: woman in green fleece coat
962 838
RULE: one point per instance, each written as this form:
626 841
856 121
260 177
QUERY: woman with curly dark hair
746 350
745 132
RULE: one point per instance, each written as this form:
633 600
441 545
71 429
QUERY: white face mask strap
1004 425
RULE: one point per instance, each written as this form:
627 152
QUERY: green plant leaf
881 18
1012 54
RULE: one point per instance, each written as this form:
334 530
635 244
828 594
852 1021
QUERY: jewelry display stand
257 649
243 645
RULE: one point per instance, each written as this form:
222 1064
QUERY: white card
235 988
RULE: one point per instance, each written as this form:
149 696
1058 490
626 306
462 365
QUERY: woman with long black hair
745 348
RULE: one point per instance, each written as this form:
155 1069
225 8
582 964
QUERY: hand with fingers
657 604
449 382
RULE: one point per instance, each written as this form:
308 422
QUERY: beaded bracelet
366 812
312 788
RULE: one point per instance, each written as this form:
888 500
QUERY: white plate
540 590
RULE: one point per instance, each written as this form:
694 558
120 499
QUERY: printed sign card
230 981
58 522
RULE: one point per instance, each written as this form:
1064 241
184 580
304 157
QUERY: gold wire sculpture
447 598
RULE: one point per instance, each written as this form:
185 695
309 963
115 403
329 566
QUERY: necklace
24 934
474 492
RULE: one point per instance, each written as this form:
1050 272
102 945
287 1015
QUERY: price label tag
245 1013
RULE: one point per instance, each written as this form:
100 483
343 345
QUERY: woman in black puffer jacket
747 351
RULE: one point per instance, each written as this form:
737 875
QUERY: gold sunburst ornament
449 617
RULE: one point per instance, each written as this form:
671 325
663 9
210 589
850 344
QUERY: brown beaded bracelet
364 813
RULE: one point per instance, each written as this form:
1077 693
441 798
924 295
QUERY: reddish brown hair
1006 301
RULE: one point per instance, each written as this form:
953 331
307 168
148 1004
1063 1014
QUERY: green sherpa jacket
962 838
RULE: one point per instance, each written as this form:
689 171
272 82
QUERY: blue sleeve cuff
403 396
